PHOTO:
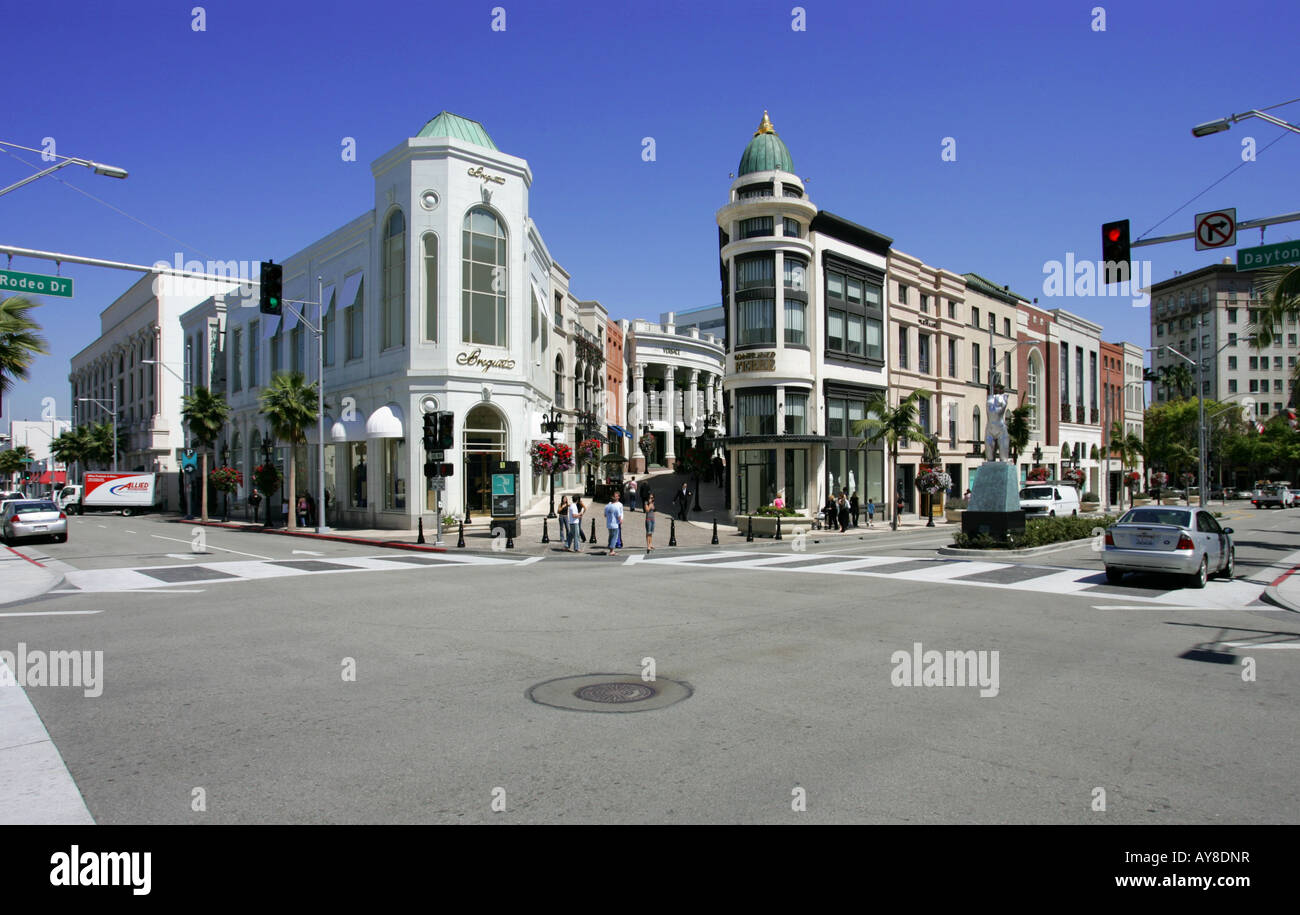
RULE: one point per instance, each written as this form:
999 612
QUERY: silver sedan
33 518
1168 539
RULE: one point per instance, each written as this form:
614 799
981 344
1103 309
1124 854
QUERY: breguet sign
475 358
479 173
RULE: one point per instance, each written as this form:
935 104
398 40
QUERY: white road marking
221 548
307 553
128 532
104 526
56 612
1293 645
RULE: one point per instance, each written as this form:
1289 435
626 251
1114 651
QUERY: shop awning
387 422
347 430
351 289
619 430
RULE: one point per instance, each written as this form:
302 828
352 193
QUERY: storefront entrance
485 445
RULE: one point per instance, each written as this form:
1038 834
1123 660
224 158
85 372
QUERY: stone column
691 411
638 426
670 394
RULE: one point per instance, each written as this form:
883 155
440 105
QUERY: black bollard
510 539
460 538
420 539
592 539
749 537
546 530
672 532
778 527
714 541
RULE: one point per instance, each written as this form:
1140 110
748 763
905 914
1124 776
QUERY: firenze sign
475 358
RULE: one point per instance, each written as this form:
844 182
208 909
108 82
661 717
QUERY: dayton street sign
1284 252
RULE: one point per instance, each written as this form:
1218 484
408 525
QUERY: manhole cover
615 692
609 693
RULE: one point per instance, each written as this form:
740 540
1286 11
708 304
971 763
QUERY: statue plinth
994 508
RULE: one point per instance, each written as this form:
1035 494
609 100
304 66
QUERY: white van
1047 500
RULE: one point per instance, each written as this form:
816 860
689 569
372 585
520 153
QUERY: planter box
1089 506
953 515
1139 502
765 525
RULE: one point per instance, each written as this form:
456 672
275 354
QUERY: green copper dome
451 125
765 152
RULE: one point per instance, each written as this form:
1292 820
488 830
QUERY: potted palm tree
289 404
205 414
891 425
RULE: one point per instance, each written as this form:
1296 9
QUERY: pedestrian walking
576 512
631 493
643 492
832 512
871 510
302 511
614 522
649 522
967 497
842 511
854 508
311 511
683 501
779 501
563 514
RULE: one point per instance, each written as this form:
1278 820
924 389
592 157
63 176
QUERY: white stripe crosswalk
1239 594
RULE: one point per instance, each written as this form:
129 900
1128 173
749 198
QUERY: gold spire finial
765 126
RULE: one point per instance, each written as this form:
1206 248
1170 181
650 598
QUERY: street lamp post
186 386
1221 124
99 168
101 405
552 422
268 452
225 461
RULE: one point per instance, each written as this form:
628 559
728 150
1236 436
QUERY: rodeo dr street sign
35 283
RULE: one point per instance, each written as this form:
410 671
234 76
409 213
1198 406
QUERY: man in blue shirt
614 521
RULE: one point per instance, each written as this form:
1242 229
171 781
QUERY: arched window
484 283
537 328
431 287
975 424
394 291
559 382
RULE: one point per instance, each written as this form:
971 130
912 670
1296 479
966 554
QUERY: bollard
778 527
593 529
672 532
460 539
546 530
420 539
749 537
715 532
510 539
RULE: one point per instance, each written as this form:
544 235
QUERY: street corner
23 578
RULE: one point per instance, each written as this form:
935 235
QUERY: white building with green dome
438 297
802 295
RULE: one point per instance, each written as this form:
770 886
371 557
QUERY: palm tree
71 447
1157 378
892 425
99 443
1180 377
1279 288
1128 446
20 340
290 405
16 460
205 414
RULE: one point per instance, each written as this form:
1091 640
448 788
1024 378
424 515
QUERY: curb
386 544
56 579
1029 551
1274 596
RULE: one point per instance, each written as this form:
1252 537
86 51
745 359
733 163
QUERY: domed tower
766 256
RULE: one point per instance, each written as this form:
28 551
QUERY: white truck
1279 494
129 493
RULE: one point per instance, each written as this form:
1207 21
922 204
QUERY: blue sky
233 134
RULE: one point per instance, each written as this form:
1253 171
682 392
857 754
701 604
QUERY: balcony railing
1079 414
1094 415
1065 412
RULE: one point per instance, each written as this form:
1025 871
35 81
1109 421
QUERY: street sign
437 484
36 283
1216 229
437 456
1284 252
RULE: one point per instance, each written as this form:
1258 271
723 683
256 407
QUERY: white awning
387 422
311 430
269 324
327 299
348 430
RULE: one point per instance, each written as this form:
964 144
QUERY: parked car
1170 539
1047 500
23 519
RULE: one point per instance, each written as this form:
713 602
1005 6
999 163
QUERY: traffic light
271 301
1115 251
446 430
430 439
444 470
430 469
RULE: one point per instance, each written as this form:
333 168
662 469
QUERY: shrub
1089 497
955 502
772 511
1037 533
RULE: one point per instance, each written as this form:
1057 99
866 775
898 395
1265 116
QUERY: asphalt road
227 671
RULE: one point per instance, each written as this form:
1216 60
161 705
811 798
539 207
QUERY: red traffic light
1114 233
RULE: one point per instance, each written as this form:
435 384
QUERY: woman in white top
575 524
562 513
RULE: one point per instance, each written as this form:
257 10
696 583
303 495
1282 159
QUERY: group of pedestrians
572 512
844 511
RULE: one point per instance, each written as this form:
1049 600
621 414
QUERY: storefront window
757 479
394 475
796 414
357 471
796 478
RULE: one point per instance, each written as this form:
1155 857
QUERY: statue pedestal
994 509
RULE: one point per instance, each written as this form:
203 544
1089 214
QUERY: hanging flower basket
1037 475
1073 475
932 482
548 458
589 451
225 479
1159 479
267 477
647 445
1132 477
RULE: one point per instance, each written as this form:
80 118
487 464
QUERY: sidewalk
22 578
1285 591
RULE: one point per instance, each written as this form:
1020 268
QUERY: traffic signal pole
318 331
